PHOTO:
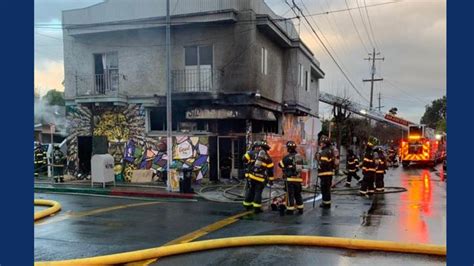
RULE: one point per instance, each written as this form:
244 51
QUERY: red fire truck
422 146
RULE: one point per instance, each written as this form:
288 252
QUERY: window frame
264 61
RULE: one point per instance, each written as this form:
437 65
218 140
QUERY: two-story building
239 73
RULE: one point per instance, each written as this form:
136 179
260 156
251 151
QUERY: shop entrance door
230 152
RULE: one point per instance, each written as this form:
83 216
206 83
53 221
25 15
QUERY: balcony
198 80
99 88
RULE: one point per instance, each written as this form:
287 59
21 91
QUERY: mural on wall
293 129
131 148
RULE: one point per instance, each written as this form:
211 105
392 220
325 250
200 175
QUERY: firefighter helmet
350 152
291 146
372 141
265 145
262 143
325 140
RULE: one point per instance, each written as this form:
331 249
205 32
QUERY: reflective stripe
362 192
256 178
347 182
368 160
245 203
271 178
269 165
294 179
371 191
326 202
380 171
246 174
324 158
352 170
256 205
326 173
247 156
351 163
291 208
380 189
281 164
300 206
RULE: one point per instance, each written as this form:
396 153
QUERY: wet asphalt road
416 216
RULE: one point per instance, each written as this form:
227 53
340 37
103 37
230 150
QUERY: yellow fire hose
54 207
334 242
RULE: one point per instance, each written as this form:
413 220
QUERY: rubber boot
325 206
282 209
257 210
290 212
300 211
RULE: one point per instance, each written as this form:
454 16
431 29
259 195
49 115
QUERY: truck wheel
405 164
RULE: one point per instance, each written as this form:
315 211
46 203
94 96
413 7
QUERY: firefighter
392 156
249 158
380 170
260 174
326 167
40 159
58 164
292 164
352 167
368 169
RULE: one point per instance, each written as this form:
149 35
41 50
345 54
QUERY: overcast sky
410 34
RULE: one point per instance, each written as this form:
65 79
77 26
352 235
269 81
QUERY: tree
36 94
435 113
54 97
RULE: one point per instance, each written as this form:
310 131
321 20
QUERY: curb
117 192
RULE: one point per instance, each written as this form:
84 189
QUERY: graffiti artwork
129 144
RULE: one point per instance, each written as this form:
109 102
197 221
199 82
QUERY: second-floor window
264 63
198 68
300 75
306 81
106 72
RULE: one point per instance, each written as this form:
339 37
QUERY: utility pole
169 140
380 102
372 57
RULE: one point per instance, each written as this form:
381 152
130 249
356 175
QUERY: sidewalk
149 190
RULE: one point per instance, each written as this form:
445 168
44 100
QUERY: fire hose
54 207
264 240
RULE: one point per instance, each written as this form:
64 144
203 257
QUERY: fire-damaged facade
239 73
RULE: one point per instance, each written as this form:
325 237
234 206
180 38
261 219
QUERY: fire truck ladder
362 110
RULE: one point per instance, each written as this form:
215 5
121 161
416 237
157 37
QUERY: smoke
50 114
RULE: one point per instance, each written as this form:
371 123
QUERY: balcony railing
97 84
195 80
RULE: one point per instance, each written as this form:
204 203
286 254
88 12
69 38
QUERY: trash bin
185 181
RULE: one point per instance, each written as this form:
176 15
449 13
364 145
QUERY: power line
370 25
363 23
352 8
355 27
327 41
329 53
410 96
